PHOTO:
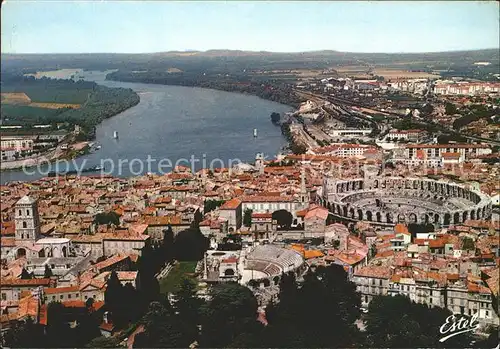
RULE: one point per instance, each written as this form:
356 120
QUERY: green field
52 91
173 280
28 114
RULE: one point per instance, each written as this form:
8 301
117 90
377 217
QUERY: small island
53 118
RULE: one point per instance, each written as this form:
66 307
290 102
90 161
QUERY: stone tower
304 199
27 220
259 162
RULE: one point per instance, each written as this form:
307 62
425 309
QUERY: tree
107 218
25 275
198 217
492 340
294 321
417 228
59 333
168 244
468 244
188 305
283 218
190 245
298 149
24 334
147 285
427 109
247 217
88 327
104 342
450 108
48 272
231 312
397 322
115 302
275 117
210 205
131 310
161 329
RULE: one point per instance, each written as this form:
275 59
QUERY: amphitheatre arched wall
391 200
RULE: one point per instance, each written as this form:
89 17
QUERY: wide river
172 123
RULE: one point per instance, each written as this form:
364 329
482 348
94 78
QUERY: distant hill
227 61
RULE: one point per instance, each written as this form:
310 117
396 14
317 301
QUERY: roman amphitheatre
386 201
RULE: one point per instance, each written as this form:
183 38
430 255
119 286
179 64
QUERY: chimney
105 317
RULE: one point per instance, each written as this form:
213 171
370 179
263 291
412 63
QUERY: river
172 123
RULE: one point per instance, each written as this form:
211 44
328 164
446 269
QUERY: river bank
175 123
269 90
74 151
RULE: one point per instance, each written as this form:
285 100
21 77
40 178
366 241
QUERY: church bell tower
27 220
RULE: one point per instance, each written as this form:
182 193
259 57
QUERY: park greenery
174 279
397 322
283 218
107 218
450 108
247 217
477 112
210 205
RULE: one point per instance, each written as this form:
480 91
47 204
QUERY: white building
349 132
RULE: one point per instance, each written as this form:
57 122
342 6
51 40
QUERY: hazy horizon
240 50
38 27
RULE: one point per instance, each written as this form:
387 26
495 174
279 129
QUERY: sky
142 27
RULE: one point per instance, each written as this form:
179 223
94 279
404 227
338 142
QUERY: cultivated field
57 74
22 99
55 105
402 74
24 112
19 98
366 72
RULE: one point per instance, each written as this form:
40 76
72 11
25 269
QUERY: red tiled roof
319 212
448 155
436 243
74 304
107 326
374 271
8 242
401 229
52 290
230 260
262 215
301 213
231 204
26 282
110 261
